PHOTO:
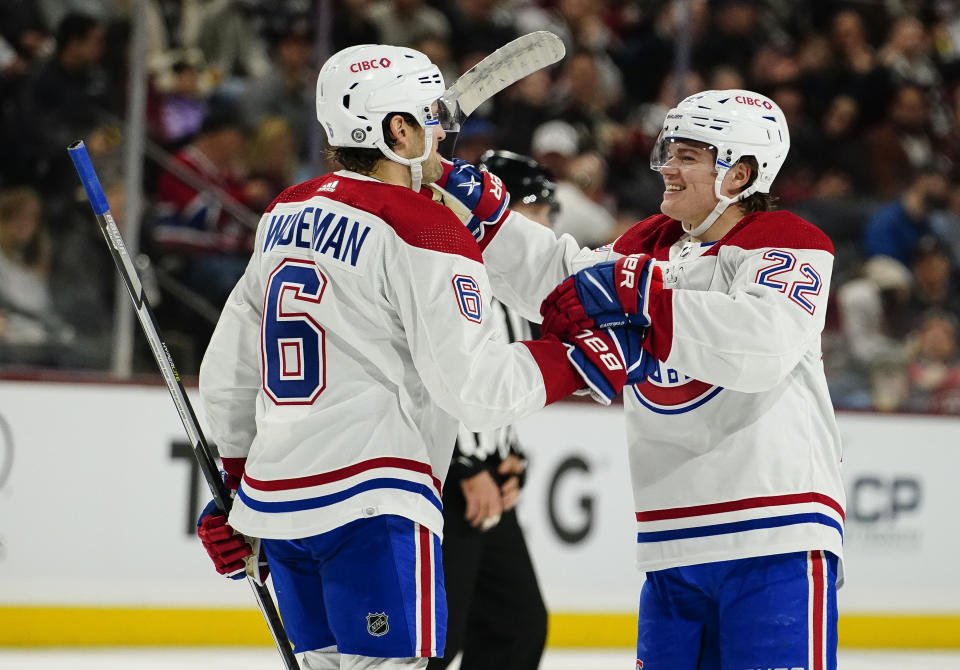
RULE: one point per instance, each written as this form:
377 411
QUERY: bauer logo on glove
476 196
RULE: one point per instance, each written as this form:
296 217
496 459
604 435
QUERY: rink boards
99 493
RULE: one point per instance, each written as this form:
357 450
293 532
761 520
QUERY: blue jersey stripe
738 527
340 496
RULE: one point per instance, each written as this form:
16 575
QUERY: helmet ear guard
738 124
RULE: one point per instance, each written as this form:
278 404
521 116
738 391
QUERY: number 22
798 291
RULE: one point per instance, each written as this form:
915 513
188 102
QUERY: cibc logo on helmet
756 102
373 64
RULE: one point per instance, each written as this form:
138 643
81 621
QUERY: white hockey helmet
360 85
737 124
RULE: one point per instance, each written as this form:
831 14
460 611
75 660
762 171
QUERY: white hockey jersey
476 451
347 353
733 444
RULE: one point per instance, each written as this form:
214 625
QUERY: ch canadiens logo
667 391
755 102
374 64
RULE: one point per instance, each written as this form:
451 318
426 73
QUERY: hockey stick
507 65
221 494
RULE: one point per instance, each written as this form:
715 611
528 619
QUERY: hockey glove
234 555
629 342
595 355
478 197
614 293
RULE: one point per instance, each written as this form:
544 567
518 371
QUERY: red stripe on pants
426 593
816 574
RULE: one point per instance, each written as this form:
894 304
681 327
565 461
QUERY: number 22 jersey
733 445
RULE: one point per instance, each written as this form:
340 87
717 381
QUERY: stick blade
507 65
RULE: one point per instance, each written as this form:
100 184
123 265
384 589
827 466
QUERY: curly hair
364 160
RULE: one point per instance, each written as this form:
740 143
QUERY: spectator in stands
181 86
479 25
403 23
934 282
84 272
895 229
286 90
230 45
934 368
648 116
858 72
554 144
868 367
946 222
30 331
586 102
352 25
272 159
193 232
647 53
816 76
522 108
868 305
840 143
733 34
799 174
581 195
906 54
902 141
908 59
65 100
24 27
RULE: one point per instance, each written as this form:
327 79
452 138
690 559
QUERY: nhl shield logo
377 624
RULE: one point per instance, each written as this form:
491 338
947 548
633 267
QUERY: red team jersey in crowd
193 221
369 305
733 445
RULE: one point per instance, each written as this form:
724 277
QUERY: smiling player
733 445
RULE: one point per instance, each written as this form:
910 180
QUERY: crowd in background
871 90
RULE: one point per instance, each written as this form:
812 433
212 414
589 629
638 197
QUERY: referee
496 615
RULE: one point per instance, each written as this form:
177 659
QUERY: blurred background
197 113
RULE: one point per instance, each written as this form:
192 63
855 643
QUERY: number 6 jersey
348 352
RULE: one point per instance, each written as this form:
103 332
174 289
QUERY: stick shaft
201 450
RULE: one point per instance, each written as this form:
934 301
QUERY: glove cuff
233 471
559 378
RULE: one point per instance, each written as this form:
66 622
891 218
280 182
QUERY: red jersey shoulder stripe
654 235
416 219
780 230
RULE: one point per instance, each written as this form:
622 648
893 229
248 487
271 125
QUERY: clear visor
447 113
678 152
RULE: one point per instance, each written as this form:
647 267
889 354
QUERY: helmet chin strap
720 207
415 164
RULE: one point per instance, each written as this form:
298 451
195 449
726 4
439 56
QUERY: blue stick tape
81 160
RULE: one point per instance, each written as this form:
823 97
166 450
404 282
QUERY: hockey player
496 614
356 339
733 445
